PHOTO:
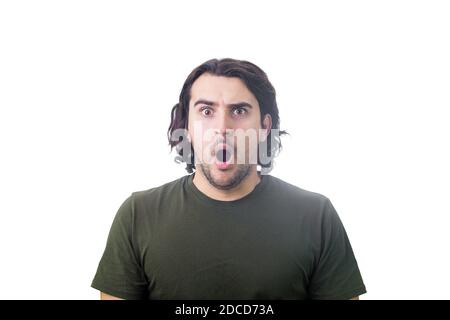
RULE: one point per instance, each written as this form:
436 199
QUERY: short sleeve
119 272
336 274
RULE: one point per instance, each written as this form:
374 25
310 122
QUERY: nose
223 123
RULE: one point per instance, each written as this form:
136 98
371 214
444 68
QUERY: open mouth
223 157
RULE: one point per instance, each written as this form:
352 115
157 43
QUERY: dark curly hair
256 81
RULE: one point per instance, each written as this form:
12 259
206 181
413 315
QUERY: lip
221 146
223 165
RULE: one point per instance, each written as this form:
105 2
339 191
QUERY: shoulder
315 210
159 193
139 203
295 195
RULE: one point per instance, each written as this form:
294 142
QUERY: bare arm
105 296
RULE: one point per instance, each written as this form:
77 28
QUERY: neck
245 187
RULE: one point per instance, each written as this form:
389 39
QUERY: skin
222 118
224 92
105 296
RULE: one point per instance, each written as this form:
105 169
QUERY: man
228 230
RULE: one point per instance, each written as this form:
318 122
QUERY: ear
188 136
266 127
188 132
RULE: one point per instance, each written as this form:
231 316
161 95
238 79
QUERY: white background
86 89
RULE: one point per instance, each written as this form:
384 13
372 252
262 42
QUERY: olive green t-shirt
277 242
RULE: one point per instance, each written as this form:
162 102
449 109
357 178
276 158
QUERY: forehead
221 89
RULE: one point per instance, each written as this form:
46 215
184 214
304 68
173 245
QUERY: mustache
222 143
219 146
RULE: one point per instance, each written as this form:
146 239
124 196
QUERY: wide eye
206 111
239 111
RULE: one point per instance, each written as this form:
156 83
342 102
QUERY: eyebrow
211 103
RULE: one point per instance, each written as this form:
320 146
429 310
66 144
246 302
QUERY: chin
223 175
225 179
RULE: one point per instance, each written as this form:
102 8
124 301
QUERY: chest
227 258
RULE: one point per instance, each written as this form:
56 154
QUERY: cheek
202 140
252 122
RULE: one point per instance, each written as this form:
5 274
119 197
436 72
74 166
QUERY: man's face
225 128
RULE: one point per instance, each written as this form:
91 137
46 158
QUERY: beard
241 172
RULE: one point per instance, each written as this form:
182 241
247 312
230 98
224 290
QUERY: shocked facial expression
225 128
